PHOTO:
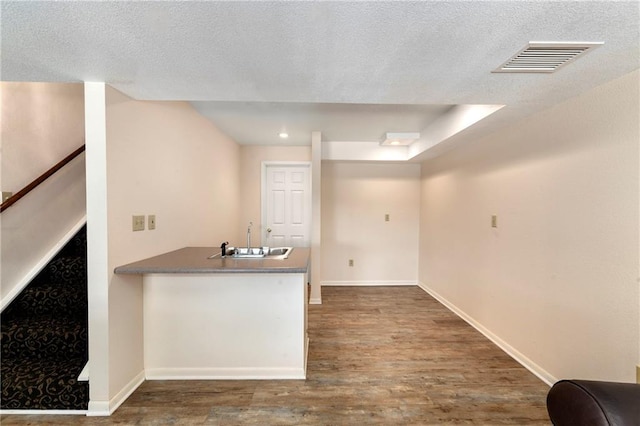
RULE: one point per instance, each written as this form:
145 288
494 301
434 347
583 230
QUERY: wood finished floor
378 355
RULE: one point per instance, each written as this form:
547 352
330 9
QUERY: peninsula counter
224 318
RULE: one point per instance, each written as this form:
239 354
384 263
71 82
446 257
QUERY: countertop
194 260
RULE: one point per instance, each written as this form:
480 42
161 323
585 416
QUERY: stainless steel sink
256 253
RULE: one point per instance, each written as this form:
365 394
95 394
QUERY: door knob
268 229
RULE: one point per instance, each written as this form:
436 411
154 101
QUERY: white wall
251 158
557 281
40 125
316 218
163 158
355 198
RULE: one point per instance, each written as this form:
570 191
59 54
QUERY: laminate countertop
195 260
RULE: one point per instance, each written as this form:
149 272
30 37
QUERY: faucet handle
223 248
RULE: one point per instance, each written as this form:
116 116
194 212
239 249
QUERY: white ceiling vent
546 56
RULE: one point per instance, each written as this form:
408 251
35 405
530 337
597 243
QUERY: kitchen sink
256 253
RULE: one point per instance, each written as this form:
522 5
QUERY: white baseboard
534 368
315 301
107 408
46 412
17 289
98 408
367 283
126 392
306 356
225 374
84 374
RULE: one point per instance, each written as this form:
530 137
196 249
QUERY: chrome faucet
249 235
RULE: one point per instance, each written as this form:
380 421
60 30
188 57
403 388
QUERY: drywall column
97 260
316 267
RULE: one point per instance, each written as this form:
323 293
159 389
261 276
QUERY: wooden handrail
24 191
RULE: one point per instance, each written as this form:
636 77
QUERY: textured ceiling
264 65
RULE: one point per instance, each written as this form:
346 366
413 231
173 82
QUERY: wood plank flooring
378 355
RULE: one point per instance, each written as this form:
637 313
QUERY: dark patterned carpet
44 342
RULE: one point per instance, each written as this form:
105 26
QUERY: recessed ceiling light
283 135
400 139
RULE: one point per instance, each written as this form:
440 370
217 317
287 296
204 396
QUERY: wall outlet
350 262
138 223
151 222
494 221
6 196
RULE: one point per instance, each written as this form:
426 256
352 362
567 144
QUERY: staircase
44 342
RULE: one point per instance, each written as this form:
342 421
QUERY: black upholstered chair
593 403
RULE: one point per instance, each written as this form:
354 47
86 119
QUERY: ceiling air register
546 57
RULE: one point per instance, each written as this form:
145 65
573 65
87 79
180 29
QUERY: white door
286 204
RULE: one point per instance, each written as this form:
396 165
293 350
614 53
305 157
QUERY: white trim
126 392
17 289
98 408
534 368
104 408
84 374
315 301
368 283
306 356
45 412
225 374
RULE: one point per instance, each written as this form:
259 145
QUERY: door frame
263 193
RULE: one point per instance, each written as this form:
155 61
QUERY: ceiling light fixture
400 139
283 135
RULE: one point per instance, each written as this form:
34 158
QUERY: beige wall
557 281
251 158
41 124
355 198
163 158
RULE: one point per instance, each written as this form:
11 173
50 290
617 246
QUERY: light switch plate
137 222
151 222
494 221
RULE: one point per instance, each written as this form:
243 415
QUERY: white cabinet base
225 326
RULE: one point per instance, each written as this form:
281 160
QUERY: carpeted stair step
53 299
43 338
44 344
76 247
43 384
71 270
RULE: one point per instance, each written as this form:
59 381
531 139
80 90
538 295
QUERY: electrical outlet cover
137 222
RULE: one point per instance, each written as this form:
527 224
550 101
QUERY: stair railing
24 191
